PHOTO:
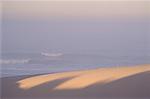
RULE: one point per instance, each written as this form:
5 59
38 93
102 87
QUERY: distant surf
51 54
14 61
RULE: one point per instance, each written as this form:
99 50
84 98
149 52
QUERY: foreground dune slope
83 79
118 82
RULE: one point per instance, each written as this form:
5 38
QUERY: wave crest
14 61
51 54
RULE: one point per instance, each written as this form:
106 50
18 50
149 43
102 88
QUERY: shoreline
117 66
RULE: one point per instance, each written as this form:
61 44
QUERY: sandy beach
125 82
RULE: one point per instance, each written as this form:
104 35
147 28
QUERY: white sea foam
52 54
14 61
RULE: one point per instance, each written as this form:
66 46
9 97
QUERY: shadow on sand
136 86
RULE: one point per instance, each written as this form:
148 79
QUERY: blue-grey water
14 64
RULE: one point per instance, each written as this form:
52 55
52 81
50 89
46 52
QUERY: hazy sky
39 10
74 26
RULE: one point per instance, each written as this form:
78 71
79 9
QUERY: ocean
15 64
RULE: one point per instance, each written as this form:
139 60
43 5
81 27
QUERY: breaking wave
14 61
51 54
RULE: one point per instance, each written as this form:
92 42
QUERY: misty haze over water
85 41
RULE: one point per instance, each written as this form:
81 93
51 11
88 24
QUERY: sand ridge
83 79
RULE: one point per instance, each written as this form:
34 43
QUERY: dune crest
83 79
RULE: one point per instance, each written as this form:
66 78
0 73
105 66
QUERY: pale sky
73 26
82 9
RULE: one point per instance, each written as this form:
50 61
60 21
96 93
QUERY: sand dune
83 79
114 82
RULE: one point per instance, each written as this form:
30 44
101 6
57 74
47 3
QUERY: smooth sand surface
127 82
